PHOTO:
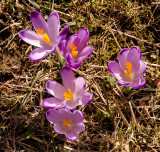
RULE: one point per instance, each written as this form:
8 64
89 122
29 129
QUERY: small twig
155 65
134 93
120 112
155 3
107 114
14 24
30 89
105 136
134 119
110 29
139 113
11 39
99 92
133 37
34 4
98 66
57 11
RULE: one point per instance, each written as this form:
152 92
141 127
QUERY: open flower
74 50
46 37
66 122
130 68
70 95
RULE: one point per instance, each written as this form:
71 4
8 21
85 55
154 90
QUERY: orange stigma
40 31
73 50
67 124
45 37
68 95
129 71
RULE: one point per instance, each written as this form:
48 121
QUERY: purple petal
122 58
86 98
140 70
135 48
52 50
55 89
65 114
71 63
85 53
80 86
53 116
72 136
38 54
53 26
68 78
38 21
63 34
77 117
71 104
123 82
115 70
138 83
134 56
59 128
52 102
79 127
62 47
84 36
31 37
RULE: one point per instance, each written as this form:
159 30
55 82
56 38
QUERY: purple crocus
46 37
130 68
74 50
66 122
70 95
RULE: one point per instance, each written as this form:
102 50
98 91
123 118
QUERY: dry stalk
120 112
133 115
110 29
30 89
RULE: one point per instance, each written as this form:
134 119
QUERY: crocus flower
70 95
66 122
46 37
74 50
130 68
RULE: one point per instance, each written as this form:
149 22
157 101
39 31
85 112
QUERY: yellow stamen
68 95
40 31
73 50
67 124
46 38
129 67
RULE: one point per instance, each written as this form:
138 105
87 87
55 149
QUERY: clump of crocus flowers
62 111
67 98
62 106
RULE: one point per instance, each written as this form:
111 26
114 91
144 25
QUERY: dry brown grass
118 118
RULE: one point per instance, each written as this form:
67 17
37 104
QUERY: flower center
68 95
73 50
45 37
65 123
129 71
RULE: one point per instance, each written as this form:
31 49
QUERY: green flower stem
60 58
